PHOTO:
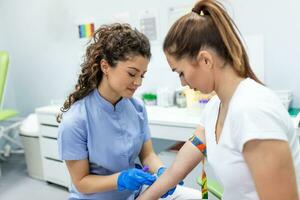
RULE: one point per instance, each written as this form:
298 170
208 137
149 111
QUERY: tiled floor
15 184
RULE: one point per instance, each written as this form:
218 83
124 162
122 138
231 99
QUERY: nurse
103 128
245 132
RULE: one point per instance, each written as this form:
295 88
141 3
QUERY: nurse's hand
133 179
160 171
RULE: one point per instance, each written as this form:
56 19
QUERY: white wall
278 21
43 57
42 39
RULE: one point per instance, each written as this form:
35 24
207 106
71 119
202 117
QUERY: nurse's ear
104 66
205 60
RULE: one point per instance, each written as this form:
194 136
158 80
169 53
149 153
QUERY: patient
251 142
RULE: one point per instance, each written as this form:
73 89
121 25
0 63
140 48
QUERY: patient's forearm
187 158
161 185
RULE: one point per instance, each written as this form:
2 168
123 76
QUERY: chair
6 115
213 187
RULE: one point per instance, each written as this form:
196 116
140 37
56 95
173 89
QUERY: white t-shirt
255 112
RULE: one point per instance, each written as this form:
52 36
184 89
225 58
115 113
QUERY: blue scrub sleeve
72 140
146 128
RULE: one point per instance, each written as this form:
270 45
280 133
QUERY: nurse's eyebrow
134 68
137 69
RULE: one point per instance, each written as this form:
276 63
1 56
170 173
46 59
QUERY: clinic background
42 40
45 51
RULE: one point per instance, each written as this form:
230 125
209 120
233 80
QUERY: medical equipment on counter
180 98
149 98
196 100
165 97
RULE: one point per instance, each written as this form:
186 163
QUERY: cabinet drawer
56 172
49 148
49 131
49 119
177 133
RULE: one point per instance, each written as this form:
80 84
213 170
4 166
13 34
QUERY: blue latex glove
133 179
160 171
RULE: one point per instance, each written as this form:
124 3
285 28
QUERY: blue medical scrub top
110 137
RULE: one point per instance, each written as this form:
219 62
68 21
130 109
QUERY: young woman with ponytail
103 129
245 133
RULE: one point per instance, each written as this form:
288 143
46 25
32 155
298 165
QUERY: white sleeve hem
260 136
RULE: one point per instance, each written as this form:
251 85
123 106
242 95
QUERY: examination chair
7 124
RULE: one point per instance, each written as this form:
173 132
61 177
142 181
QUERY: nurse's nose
138 81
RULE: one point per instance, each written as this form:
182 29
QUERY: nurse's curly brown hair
114 42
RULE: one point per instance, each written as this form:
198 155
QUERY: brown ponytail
208 26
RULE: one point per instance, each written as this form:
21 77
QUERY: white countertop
48 110
156 115
173 116
169 116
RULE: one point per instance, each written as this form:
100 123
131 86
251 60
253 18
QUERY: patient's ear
205 59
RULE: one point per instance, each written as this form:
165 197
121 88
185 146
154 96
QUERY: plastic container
180 99
203 103
29 134
165 97
149 98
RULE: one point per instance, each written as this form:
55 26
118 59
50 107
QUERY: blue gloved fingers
141 177
133 179
170 192
145 175
127 180
150 178
165 195
149 182
160 171
141 172
133 186
145 178
142 180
